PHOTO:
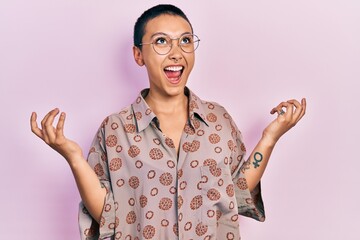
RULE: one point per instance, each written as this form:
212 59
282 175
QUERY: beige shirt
154 194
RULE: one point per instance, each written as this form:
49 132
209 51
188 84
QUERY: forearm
91 192
257 161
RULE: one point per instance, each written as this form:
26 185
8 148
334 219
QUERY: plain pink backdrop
76 55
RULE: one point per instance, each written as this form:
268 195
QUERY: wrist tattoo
258 157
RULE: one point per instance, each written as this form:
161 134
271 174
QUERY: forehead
169 24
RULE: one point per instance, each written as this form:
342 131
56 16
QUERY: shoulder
117 119
210 110
215 115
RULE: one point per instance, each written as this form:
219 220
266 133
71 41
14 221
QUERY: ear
138 56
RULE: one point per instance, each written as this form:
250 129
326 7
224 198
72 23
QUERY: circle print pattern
134 182
242 147
107 208
166 179
196 123
188 226
149 214
114 126
138 164
170 164
169 142
89 232
165 203
151 174
230 236
131 201
143 201
111 141
137 138
129 117
180 217
241 183
164 223
133 151
154 191
231 145
156 154
210 213
193 105
138 115
211 117
213 194
115 164
196 202
105 122
120 182
118 148
230 190
118 235
157 141
189 130
214 138
148 232
98 169
201 229
130 217
176 229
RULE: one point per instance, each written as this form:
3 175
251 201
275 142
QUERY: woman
169 166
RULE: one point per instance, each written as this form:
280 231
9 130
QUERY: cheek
191 61
154 63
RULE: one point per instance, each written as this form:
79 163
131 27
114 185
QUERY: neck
167 105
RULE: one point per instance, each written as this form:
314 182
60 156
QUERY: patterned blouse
153 193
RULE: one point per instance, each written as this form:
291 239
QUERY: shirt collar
143 115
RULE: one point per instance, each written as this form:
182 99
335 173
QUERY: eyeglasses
162 43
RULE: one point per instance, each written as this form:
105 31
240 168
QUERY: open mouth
173 73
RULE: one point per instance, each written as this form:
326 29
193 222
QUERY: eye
186 40
160 41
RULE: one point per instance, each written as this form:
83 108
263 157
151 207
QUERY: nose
176 51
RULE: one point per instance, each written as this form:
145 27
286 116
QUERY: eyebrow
162 33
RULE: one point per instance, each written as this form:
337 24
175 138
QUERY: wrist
75 160
268 140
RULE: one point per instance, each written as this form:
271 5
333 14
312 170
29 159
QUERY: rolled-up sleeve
89 228
250 204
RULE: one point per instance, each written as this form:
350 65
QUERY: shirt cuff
250 204
89 228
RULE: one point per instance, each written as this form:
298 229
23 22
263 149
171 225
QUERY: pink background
76 55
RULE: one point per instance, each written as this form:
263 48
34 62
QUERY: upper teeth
174 69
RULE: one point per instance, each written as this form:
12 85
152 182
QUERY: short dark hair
151 13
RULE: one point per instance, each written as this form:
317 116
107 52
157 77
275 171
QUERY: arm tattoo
245 166
258 157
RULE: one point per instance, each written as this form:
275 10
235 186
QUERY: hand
54 137
285 119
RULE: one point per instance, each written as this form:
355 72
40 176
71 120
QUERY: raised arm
88 184
258 159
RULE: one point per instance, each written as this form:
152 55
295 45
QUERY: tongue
172 74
